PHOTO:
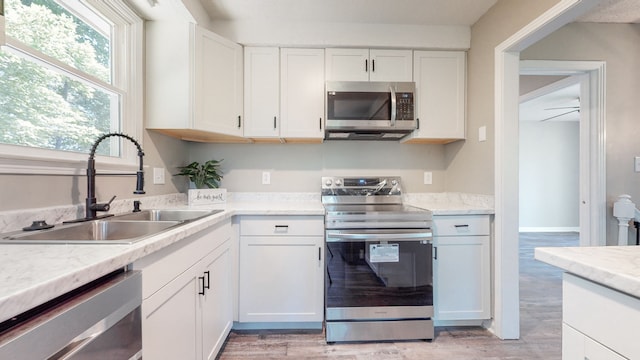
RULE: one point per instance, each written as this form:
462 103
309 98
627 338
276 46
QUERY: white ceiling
559 105
406 12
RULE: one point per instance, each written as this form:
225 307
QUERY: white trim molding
506 322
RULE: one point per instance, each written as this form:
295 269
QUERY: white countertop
31 275
617 267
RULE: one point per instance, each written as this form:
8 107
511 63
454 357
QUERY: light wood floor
540 326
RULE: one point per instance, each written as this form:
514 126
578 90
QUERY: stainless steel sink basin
166 215
93 232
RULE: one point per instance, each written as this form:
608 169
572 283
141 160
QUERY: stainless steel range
379 262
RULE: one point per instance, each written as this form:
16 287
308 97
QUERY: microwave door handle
393 106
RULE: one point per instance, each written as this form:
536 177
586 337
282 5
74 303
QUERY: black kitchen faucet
91 205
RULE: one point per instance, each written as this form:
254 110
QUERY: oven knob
328 182
394 182
338 182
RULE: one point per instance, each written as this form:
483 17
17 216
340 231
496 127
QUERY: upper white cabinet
194 83
368 65
440 78
284 94
461 267
302 94
262 93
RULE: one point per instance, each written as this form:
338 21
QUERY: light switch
158 176
637 164
482 133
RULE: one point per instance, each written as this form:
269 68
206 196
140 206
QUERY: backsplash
17 219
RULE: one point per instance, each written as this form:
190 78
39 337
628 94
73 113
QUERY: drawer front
282 225
461 225
603 314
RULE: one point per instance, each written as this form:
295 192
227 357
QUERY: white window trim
128 48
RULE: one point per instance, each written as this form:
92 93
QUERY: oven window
368 274
359 106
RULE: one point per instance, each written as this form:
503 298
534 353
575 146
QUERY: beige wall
470 164
299 167
619 46
33 191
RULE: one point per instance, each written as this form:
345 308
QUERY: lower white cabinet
281 269
461 267
187 309
578 346
598 323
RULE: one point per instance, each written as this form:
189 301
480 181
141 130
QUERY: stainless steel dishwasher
101 320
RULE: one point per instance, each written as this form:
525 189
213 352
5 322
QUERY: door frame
506 320
592 187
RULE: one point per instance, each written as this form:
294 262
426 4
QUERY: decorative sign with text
207 196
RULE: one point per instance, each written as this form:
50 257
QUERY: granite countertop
31 275
617 267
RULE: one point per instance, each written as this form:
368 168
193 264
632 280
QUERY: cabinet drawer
603 314
281 225
457 225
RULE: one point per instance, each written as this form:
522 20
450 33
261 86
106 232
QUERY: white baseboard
549 229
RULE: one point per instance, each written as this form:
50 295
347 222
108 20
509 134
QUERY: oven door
379 274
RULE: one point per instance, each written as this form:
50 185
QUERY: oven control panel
360 190
332 182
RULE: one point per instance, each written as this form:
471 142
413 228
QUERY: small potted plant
206 178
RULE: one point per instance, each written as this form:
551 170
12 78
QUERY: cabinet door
170 320
216 303
347 64
262 92
578 346
302 94
461 278
281 279
440 78
391 65
218 84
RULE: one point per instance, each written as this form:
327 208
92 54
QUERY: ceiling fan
571 109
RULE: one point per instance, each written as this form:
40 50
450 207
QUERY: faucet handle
103 206
136 205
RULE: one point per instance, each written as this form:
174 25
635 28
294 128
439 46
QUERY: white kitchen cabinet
302 95
440 78
281 270
368 65
187 309
194 83
577 346
461 267
597 321
262 93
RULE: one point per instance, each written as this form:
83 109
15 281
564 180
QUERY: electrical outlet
482 133
158 176
266 178
428 178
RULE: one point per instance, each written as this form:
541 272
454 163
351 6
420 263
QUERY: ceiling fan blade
563 114
563 107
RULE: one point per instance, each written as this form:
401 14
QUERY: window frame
127 79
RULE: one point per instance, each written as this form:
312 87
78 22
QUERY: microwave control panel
404 106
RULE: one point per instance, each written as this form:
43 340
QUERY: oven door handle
379 235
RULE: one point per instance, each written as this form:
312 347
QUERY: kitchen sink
93 232
165 215
120 229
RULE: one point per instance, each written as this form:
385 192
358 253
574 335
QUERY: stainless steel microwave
368 110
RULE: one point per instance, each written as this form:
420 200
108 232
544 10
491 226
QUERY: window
67 75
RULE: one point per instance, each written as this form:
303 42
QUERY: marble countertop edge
617 267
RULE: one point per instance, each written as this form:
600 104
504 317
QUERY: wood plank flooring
540 326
